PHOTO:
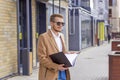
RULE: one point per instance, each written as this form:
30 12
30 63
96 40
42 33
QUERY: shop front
86 30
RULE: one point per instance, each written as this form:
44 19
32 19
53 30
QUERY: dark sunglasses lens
63 24
58 23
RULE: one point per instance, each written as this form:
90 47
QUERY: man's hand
62 68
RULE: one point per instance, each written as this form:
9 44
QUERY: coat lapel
52 40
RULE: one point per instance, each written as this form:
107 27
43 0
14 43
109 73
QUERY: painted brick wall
8 38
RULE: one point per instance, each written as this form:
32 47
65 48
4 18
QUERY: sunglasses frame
59 23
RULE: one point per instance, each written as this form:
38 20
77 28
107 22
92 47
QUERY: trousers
61 75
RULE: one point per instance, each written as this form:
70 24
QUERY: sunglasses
60 23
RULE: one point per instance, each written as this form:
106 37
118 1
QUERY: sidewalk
92 64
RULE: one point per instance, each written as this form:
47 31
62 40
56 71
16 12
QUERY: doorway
40 19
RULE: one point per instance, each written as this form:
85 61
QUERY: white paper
72 58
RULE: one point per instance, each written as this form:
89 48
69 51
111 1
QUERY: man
109 37
52 42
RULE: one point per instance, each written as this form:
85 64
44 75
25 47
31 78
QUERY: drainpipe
18 42
73 21
59 5
53 6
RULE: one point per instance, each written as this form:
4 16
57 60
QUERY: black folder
60 58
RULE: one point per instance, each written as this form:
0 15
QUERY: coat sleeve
43 55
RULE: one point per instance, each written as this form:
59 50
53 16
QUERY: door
40 19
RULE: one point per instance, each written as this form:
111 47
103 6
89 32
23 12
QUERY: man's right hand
62 68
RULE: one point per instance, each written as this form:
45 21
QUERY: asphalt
91 64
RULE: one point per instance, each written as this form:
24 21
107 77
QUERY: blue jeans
61 75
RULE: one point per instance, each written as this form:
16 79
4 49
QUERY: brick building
21 21
8 37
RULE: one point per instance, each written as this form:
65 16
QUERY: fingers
62 64
62 68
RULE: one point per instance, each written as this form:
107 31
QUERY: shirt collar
55 36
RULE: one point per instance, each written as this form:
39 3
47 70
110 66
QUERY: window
78 2
112 2
110 12
85 4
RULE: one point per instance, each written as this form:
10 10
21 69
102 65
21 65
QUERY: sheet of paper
72 58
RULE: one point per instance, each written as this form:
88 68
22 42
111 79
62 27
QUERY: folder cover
61 58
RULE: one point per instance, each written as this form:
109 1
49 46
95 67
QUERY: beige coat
47 46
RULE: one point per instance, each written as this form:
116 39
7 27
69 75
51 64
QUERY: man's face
58 24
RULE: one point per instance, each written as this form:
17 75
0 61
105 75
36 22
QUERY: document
72 58
67 59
